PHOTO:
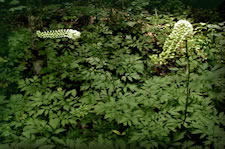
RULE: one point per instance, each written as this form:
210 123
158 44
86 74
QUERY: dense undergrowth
103 89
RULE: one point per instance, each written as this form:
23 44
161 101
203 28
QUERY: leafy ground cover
104 90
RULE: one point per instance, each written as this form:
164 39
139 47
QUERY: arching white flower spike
69 33
182 31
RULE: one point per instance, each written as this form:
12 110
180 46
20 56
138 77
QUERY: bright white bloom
69 33
184 23
174 44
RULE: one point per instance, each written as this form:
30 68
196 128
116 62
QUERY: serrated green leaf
131 24
58 140
72 121
40 141
26 134
174 69
66 107
57 131
72 92
179 136
40 111
116 132
196 132
54 123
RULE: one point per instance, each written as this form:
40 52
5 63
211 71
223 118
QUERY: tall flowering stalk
69 33
174 44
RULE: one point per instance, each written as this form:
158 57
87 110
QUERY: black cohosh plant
96 90
182 31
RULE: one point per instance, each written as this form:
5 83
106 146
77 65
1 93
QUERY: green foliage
167 5
13 66
102 90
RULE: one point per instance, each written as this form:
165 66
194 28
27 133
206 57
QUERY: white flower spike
69 33
182 31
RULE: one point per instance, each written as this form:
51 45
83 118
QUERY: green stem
156 14
187 82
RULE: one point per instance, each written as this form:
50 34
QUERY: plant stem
156 14
187 82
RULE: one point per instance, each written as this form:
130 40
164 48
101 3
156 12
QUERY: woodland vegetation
104 90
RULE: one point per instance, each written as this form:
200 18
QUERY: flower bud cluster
175 42
69 33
